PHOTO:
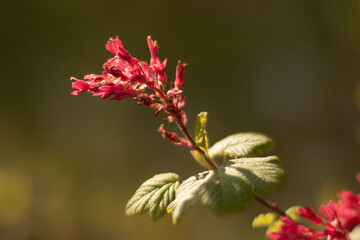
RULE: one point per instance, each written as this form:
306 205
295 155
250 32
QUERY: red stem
192 142
186 133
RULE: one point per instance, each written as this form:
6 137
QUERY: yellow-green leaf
201 139
201 159
264 220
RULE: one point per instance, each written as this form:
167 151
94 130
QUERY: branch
273 206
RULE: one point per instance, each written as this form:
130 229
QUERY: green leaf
200 131
292 214
201 159
230 188
188 194
241 145
263 220
154 196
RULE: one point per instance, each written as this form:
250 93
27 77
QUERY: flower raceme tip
126 77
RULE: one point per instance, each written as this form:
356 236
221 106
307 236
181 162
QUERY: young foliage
272 222
154 196
264 220
201 159
230 188
201 139
241 145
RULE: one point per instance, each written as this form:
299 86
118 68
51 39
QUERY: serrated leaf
154 196
241 145
200 131
264 220
230 188
188 194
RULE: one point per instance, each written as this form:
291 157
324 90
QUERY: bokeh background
68 164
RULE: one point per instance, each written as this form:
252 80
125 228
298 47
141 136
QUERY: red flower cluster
126 77
339 219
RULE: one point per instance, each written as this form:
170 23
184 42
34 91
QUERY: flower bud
179 82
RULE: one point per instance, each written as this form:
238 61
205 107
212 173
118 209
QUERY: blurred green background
68 164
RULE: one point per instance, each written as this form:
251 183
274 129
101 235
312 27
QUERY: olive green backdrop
68 164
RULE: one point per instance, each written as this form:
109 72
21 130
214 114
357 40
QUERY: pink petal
80 86
179 82
113 45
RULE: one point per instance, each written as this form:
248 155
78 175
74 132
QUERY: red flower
328 210
80 86
179 82
348 210
334 233
126 77
155 63
154 50
340 219
308 213
113 45
173 137
289 230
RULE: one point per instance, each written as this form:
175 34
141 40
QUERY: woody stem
273 206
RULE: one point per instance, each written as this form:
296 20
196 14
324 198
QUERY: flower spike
126 77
